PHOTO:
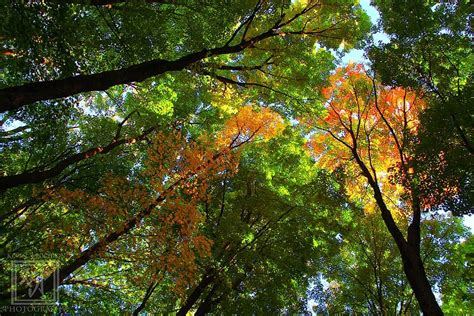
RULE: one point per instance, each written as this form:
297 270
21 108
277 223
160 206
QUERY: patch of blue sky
358 55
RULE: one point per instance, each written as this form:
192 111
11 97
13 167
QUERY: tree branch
8 182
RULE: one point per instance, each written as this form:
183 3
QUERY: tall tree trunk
409 250
197 292
412 264
13 98
206 305
416 275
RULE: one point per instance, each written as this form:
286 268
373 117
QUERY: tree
367 275
58 142
152 152
267 243
430 48
458 290
369 127
293 21
177 171
34 176
79 150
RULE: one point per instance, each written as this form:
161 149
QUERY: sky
357 55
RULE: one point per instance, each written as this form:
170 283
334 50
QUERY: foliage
374 127
430 47
367 122
181 156
366 276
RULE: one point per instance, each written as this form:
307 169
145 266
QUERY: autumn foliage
177 173
375 123
182 157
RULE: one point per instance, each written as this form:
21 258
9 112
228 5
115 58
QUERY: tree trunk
416 275
413 266
206 305
412 263
409 250
13 98
197 292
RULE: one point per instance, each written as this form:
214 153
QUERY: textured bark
13 98
409 250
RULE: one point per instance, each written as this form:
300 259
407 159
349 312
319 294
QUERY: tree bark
197 292
416 275
13 98
412 263
206 305
412 266
409 250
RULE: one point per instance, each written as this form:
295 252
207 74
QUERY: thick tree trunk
412 263
413 267
409 250
416 275
197 292
206 305
13 98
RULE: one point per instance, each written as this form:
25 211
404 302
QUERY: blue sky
357 55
